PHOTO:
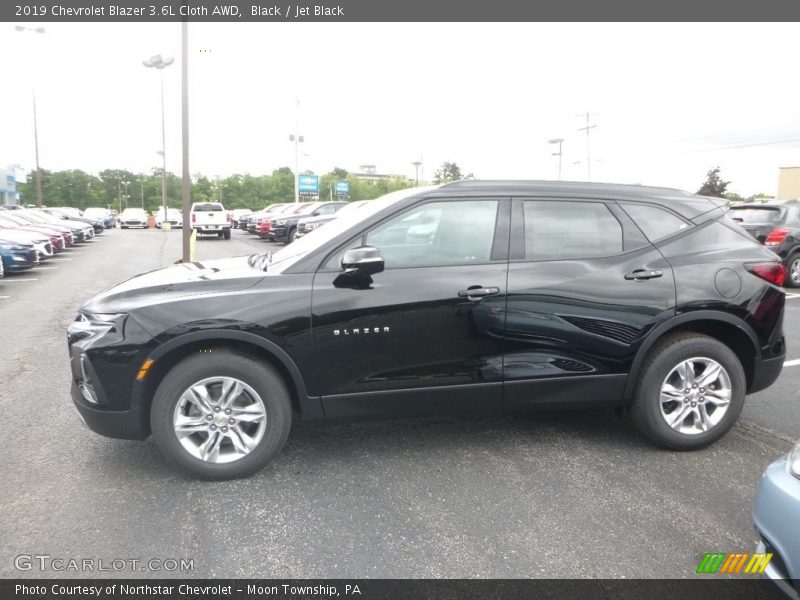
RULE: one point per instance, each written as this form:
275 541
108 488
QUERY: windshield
756 215
96 212
288 255
132 212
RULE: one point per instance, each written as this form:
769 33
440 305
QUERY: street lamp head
555 141
158 61
40 30
19 28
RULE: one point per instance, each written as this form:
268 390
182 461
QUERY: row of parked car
285 222
29 236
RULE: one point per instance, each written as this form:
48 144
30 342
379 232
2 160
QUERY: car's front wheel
221 415
690 392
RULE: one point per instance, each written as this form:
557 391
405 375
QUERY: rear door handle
478 292
643 274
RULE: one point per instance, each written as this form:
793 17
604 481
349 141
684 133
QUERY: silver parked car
777 519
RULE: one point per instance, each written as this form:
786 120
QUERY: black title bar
291 11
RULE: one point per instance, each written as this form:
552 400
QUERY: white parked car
173 216
133 217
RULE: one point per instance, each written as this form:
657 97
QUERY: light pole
20 28
297 139
141 187
416 164
558 141
126 184
159 62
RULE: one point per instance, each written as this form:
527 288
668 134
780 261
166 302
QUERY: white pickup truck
211 217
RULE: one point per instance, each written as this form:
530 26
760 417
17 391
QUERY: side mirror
362 262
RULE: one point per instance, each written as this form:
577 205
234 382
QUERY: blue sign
342 188
308 184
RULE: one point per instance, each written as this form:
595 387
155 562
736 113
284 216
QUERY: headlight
280 222
100 318
794 460
311 226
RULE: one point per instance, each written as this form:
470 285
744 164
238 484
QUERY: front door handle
642 275
478 292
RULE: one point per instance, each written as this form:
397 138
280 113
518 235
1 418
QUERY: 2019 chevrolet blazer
476 297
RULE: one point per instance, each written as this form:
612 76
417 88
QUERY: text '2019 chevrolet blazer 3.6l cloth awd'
476 297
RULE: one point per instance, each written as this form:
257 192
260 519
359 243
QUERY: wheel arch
726 328
169 354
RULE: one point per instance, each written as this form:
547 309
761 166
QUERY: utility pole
558 141
587 129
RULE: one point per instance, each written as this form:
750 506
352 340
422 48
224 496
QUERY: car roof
689 205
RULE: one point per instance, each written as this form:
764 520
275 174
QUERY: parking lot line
4 297
10 279
790 296
42 268
792 363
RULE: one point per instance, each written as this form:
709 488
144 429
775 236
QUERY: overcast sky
670 101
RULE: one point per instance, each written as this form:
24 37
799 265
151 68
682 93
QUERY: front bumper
104 361
123 424
776 514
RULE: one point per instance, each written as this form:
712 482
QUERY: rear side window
207 208
558 230
656 223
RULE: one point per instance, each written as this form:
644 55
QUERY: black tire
227 234
790 282
645 410
259 375
292 233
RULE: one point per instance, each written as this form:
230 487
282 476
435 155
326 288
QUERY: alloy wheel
219 419
695 395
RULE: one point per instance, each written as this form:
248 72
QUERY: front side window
561 230
437 234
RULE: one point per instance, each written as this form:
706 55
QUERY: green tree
447 172
714 185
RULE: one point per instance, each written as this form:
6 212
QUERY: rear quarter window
656 223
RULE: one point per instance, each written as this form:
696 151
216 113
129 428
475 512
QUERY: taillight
194 217
229 218
773 272
776 236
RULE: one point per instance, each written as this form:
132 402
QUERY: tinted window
207 207
438 233
560 230
656 223
326 209
756 215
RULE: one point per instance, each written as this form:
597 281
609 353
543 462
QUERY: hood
187 279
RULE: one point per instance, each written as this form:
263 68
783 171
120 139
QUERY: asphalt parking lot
549 495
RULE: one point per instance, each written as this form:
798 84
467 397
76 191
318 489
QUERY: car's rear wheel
793 275
227 234
221 415
690 392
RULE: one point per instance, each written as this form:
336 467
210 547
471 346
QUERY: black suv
284 227
777 226
474 297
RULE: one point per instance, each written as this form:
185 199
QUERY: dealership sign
342 188
308 185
